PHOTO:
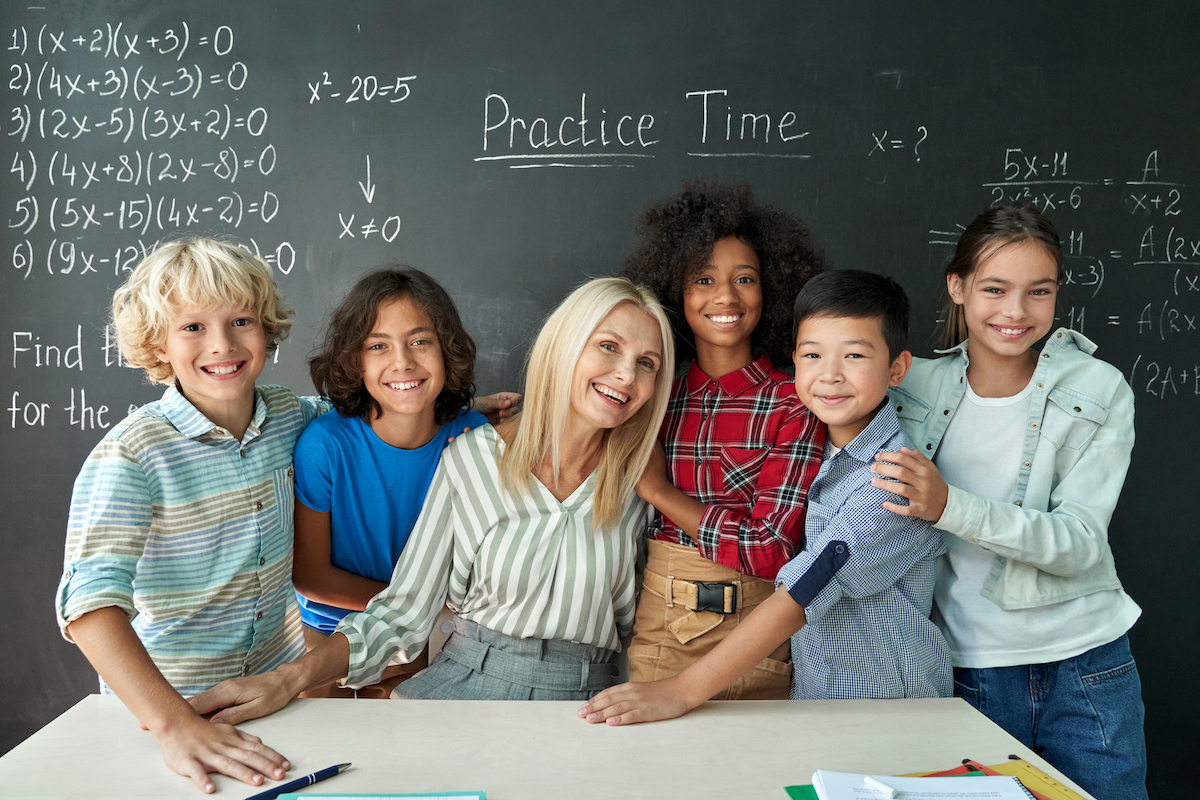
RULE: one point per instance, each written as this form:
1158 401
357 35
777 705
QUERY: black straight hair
860 295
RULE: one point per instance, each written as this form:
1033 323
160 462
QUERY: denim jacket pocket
739 470
1071 419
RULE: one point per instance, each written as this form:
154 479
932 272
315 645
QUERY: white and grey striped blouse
529 567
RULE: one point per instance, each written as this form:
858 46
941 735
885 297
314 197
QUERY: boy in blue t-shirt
856 600
397 364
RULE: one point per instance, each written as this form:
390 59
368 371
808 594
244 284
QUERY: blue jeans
1084 715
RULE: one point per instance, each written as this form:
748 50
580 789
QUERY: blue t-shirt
372 491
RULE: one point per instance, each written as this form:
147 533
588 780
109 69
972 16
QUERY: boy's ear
954 286
162 355
899 368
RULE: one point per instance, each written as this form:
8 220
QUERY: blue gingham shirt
865 580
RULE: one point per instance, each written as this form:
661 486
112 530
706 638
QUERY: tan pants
668 636
392 676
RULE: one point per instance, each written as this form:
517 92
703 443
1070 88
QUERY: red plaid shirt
747 448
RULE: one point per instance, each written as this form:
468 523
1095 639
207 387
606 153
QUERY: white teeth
1012 331
404 385
613 393
725 317
227 369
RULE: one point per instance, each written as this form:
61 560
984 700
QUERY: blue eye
195 327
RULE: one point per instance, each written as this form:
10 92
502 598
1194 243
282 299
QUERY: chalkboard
506 148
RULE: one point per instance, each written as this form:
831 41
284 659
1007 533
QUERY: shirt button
839 549
946 412
259 615
899 408
1045 355
1058 335
1078 409
242 453
1039 386
929 447
1028 464
67 574
1033 425
290 472
258 506
1018 504
262 561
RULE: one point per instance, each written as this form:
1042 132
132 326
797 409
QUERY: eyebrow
709 267
381 335
1005 282
623 340
852 342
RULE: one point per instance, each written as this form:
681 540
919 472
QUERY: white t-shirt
981 454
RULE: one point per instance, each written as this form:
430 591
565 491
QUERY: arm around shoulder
1061 526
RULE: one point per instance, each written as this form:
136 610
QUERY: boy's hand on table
234 701
194 747
628 703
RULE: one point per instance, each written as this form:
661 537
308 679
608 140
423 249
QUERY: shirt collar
188 420
735 382
885 425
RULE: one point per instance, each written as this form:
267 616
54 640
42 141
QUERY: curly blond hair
199 272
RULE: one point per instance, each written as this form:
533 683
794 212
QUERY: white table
525 751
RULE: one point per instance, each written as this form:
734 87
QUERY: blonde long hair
543 419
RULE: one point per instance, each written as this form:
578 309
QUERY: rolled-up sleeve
109 520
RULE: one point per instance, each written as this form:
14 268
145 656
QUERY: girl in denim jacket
1029 452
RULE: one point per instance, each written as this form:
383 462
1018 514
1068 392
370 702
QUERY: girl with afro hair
739 450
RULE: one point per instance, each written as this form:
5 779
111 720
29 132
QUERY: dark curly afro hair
675 239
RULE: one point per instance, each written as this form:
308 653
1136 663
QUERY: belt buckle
711 597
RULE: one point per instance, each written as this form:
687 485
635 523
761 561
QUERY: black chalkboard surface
506 148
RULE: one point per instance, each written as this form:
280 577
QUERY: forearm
334 586
754 638
676 505
324 664
118 655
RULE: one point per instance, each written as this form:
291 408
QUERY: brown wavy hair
996 227
675 240
336 365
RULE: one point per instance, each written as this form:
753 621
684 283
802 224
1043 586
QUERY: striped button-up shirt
746 447
189 531
529 567
865 580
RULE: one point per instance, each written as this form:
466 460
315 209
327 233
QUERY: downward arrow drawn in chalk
369 189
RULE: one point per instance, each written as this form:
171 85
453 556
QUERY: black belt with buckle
711 597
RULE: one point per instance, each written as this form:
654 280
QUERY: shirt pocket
284 484
1071 419
739 471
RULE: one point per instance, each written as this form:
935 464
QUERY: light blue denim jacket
1052 542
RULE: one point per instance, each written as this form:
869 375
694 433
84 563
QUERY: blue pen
299 783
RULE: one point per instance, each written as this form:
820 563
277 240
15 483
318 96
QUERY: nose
402 359
725 293
1014 305
830 371
219 340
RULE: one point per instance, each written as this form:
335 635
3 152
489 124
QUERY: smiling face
722 303
403 370
216 354
615 373
843 372
1008 301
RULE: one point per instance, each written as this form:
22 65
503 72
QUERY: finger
892 471
211 700
273 755
195 770
261 759
892 487
227 764
904 511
